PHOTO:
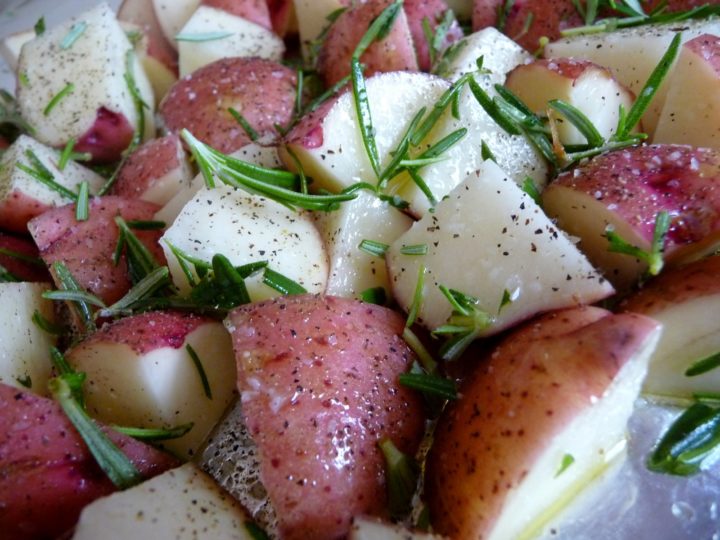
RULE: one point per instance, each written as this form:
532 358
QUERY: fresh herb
486 153
315 45
155 434
25 381
566 462
269 183
82 306
507 298
255 532
67 90
12 124
436 38
46 325
465 324
116 465
157 280
39 26
503 12
82 205
431 385
67 154
578 119
223 287
703 366
401 477
72 36
140 260
240 119
138 101
145 225
35 261
419 249
428 363
43 175
203 36
201 370
654 257
688 443
8 277
418 296
371 247
531 189
282 284
375 295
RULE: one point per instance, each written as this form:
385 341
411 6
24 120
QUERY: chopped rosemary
418 296
72 36
240 119
486 153
156 280
704 365
25 381
432 385
35 261
140 260
371 247
68 89
41 173
8 277
145 225
566 462
401 477
203 36
201 370
654 257
81 306
82 205
375 295
531 189
155 434
67 154
427 362
418 249
282 284
464 325
255 531
116 465
39 26
46 325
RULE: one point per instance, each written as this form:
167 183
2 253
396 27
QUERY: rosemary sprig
654 257
464 325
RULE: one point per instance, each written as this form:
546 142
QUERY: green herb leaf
82 308
201 370
75 32
578 119
401 477
531 189
82 205
703 366
379 28
375 295
653 257
281 283
567 461
68 89
240 119
43 175
140 260
371 247
45 325
364 117
418 297
431 385
418 249
224 287
255 532
25 381
465 324
40 26
121 471
203 36
426 360
155 434
156 280
689 441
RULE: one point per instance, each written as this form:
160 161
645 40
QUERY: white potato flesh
172 16
161 388
241 38
312 20
341 160
353 270
263 156
576 456
11 45
95 63
182 503
513 154
487 237
691 114
500 55
366 528
632 54
14 179
24 347
247 229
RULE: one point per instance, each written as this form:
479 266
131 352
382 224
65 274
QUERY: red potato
253 10
542 394
433 11
261 90
109 136
393 53
677 296
318 381
627 189
24 270
47 474
283 17
87 247
154 172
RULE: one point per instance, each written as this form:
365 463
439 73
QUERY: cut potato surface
180 504
487 237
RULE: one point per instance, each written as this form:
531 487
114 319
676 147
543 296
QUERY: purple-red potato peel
108 137
627 189
262 91
395 52
256 11
87 247
686 300
493 469
142 13
282 15
47 474
318 381
18 267
154 172
433 11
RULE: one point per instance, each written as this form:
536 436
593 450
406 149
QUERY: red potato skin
141 13
394 53
261 90
282 14
530 387
150 162
87 247
109 136
676 286
318 379
255 11
308 132
47 474
17 209
645 180
434 11
22 269
146 332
